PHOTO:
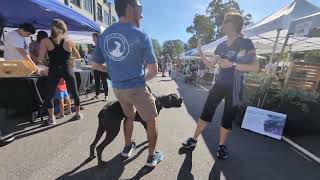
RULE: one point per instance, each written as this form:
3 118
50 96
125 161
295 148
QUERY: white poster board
264 122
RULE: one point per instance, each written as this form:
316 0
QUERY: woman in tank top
59 50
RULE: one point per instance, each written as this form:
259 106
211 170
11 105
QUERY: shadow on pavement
186 168
142 172
112 169
15 125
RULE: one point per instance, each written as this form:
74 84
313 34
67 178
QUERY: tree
209 27
173 48
157 47
186 47
202 28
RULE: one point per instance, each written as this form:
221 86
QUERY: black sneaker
152 161
222 152
127 151
190 142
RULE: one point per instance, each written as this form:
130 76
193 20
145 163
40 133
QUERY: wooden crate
303 76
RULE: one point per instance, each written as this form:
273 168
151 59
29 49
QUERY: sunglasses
134 4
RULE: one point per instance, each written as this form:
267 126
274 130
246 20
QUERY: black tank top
58 57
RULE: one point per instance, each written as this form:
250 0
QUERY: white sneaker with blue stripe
153 160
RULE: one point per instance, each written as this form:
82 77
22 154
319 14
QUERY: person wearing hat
15 44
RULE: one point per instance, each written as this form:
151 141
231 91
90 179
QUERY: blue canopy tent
41 12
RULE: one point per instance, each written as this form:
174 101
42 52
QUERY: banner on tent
303 29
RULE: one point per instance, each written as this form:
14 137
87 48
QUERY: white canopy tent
270 34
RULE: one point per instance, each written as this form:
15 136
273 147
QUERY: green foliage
173 48
157 47
209 26
277 99
315 53
202 28
193 42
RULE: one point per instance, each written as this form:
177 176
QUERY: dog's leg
100 132
110 136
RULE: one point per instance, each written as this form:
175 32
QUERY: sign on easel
264 122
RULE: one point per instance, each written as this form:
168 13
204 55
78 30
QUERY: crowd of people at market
121 53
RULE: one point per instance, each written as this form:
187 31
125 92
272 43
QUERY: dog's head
170 100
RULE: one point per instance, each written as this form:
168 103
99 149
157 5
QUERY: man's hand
99 67
224 63
152 72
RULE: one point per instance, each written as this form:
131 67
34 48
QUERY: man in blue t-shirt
125 49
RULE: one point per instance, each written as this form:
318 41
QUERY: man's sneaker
153 160
222 152
67 112
190 142
60 116
78 116
127 151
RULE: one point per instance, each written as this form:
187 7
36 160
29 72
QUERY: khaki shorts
140 99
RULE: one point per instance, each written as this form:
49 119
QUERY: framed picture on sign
264 122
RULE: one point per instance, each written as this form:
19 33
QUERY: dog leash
149 89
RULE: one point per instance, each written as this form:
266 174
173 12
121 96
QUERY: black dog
110 118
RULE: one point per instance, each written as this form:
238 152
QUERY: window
76 2
99 12
106 18
88 5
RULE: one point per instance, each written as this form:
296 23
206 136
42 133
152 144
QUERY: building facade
101 11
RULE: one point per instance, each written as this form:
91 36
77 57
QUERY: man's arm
152 72
251 67
150 59
25 55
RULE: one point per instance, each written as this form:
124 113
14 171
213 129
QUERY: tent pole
275 46
269 77
283 48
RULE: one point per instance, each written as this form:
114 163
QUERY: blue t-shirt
125 49
240 47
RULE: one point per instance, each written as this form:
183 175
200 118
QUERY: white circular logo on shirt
116 46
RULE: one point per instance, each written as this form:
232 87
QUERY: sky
168 19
